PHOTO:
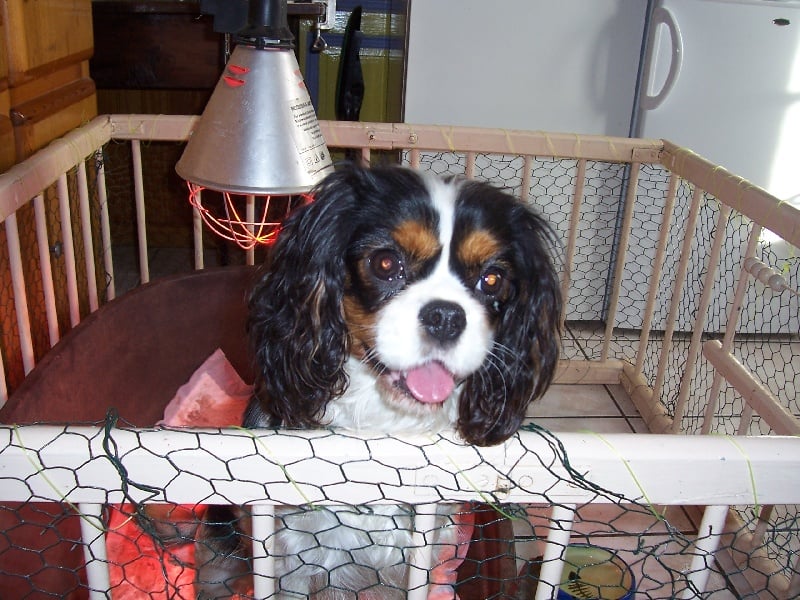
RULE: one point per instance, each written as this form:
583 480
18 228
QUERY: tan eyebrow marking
478 247
417 239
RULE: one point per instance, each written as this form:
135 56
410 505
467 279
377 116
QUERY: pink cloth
215 396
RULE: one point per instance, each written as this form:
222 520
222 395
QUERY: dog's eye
491 282
386 265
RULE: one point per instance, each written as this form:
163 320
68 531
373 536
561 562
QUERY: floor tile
575 400
622 400
578 424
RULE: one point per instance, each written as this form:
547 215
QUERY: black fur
527 335
297 326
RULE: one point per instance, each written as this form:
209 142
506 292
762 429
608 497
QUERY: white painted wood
141 223
708 538
197 234
381 469
263 519
68 248
105 226
48 289
86 232
562 518
422 557
94 550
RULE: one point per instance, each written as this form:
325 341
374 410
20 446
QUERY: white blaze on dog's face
414 311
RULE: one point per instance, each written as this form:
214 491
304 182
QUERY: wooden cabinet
45 92
7 153
47 46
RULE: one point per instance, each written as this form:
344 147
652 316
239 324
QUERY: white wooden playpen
682 285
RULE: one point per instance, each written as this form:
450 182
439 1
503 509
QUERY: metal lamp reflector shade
258 133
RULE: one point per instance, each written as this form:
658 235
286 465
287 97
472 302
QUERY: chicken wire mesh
486 548
655 542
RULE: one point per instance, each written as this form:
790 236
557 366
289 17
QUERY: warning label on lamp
308 137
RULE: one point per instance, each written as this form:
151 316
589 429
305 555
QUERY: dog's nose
444 321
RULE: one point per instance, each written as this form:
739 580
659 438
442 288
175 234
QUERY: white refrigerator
722 77
719 76
552 65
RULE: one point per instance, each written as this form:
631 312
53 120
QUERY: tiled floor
599 408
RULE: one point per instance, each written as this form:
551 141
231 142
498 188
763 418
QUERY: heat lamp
258 141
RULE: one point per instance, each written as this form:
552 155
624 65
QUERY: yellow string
756 503
40 471
459 471
628 467
282 467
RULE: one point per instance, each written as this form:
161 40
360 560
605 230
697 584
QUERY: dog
396 302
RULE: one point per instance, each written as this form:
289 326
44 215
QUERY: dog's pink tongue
430 383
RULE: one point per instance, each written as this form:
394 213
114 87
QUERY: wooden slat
86 233
655 275
392 136
589 372
69 251
647 405
763 402
155 128
741 195
20 296
734 312
48 287
432 468
677 292
105 227
700 315
141 222
28 178
572 237
624 234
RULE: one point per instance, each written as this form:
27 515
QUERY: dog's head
444 291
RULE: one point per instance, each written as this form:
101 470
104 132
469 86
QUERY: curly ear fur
296 325
527 339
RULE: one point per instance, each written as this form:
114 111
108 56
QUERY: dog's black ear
527 346
296 325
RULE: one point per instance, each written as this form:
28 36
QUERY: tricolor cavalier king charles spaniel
396 302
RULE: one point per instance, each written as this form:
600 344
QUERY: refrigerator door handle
662 17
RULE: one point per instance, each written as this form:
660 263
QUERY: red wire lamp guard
258 142
262 219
